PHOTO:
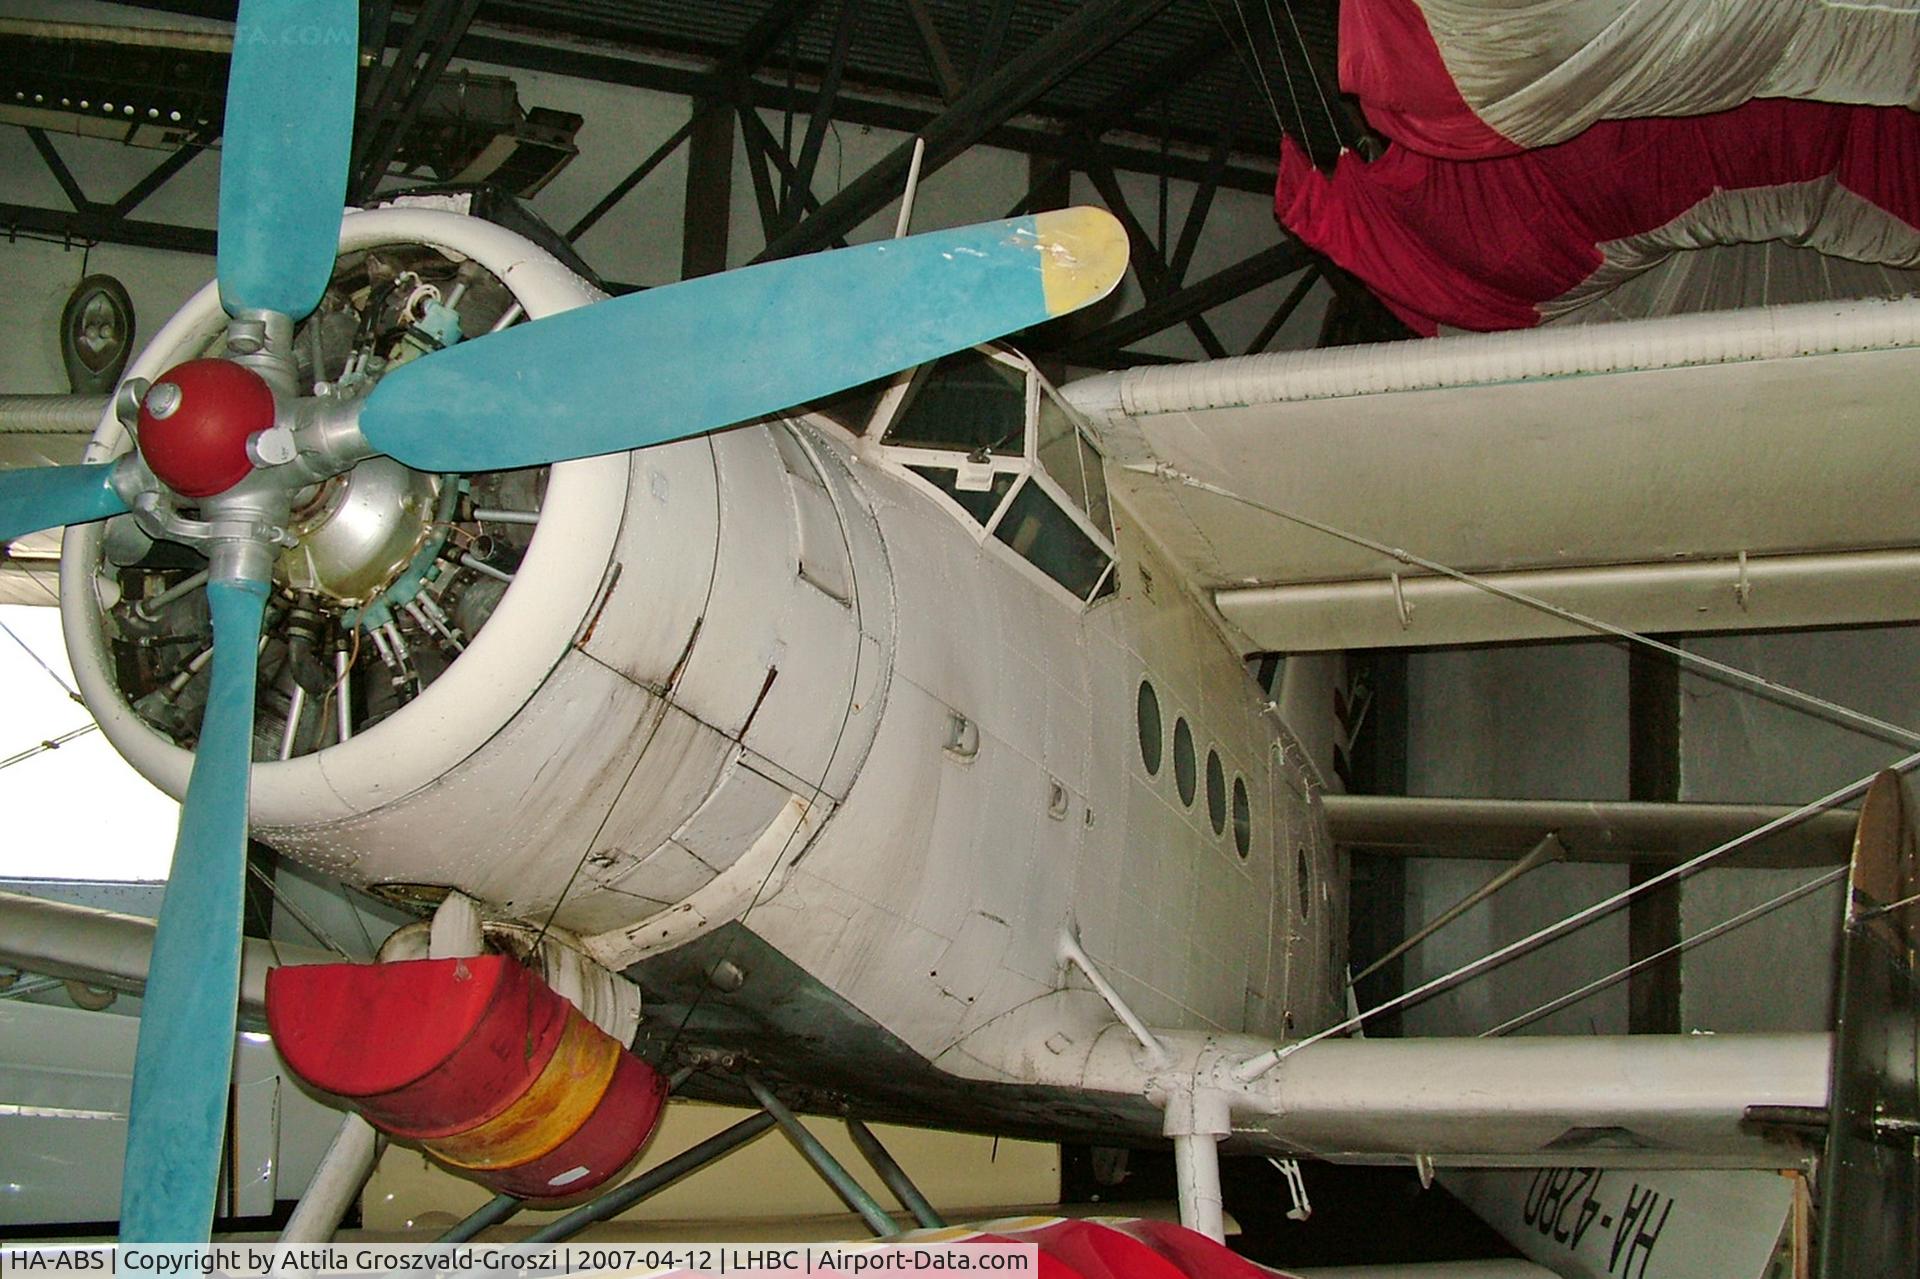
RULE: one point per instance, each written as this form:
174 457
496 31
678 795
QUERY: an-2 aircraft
903 768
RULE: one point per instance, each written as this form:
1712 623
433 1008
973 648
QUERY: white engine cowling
687 669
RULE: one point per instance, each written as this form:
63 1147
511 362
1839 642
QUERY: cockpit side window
1066 455
1040 532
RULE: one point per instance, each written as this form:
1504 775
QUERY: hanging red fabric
1487 244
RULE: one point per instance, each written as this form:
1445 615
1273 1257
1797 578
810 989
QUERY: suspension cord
1306 60
1254 70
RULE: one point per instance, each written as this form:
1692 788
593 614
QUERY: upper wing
1731 470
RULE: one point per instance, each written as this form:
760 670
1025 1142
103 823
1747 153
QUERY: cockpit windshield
970 402
985 432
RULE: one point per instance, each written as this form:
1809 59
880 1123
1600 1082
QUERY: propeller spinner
227 447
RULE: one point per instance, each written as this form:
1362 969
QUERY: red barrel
476 1060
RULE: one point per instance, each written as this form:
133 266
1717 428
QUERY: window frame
900 459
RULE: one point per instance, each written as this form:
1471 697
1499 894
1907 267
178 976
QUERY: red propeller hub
195 422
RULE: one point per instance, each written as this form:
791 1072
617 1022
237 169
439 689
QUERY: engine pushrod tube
890 1171
851 1192
654 1180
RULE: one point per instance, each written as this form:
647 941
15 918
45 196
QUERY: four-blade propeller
224 447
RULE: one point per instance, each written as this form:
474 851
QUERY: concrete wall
1777 972
1549 721
1544 721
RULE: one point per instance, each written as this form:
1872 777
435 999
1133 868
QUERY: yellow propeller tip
1083 254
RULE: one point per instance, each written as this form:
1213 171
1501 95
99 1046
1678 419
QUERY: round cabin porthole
1150 728
1216 793
1306 883
1242 818
1183 767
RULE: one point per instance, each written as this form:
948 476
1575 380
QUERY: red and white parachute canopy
1621 157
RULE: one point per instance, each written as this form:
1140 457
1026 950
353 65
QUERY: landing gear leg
1197 1121
894 1175
851 1192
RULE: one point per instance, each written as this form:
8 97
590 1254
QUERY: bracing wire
1257 1066
1819 706
52 674
51 744
305 920
1620 974
1833 711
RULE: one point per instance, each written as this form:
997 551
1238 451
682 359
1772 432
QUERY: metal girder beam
1155 280
1090 32
151 181
1117 108
103 226
640 172
762 144
1045 177
761 147
852 108
376 19
765 35
1122 359
939 60
160 175
766 32
1049 186
1284 312
708 209
449 22
1178 307
994 34
58 168
1202 203
887 113
386 80
820 115
1177 68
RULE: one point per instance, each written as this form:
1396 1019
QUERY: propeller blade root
49 496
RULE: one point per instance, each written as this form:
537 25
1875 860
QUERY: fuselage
806 698
774 679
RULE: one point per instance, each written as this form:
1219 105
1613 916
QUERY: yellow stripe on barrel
551 1110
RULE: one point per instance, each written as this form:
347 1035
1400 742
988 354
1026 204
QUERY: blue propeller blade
284 154
48 496
706 353
185 1055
